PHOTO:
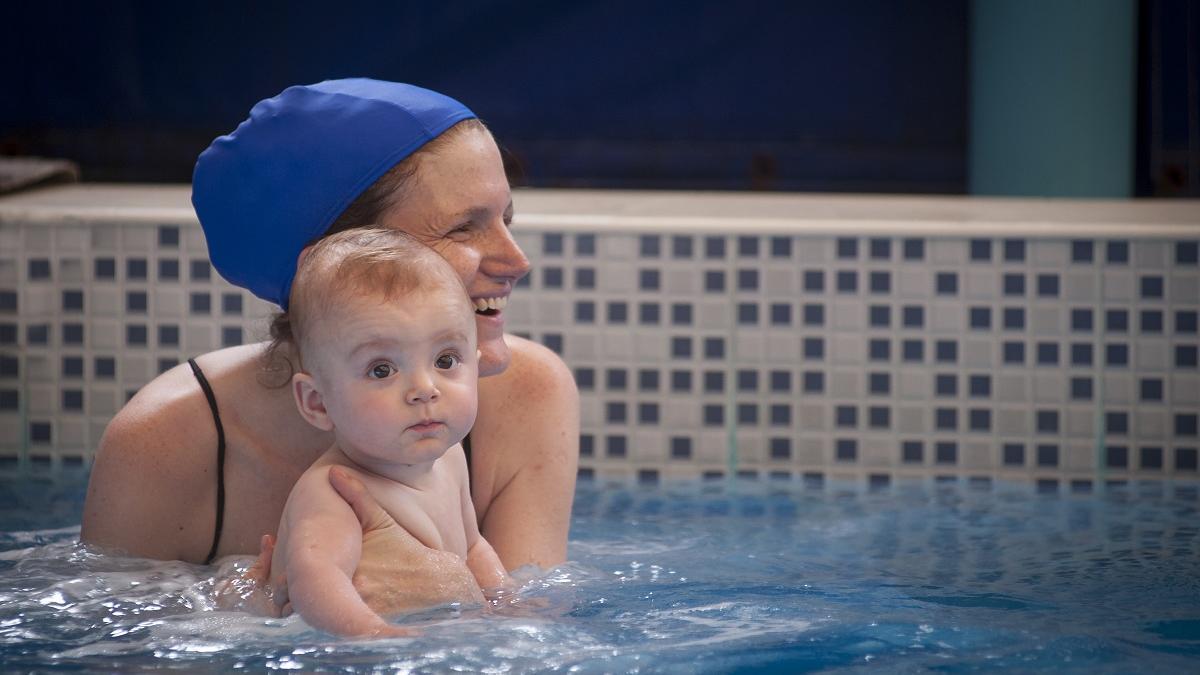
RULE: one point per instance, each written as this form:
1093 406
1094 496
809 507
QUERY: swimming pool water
709 577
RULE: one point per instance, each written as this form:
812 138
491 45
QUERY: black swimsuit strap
212 404
466 443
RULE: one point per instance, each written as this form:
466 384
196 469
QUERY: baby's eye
381 371
446 361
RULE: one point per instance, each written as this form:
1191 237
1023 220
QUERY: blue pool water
775 576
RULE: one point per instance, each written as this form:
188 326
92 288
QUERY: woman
200 462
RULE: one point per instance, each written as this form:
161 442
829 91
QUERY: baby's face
399 378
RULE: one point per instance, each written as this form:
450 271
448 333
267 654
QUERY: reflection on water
681 577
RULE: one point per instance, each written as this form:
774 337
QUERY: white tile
1078 456
1152 424
1080 286
1012 421
72 435
106 335
1049 387
1152 254
980 284
976 456
41 400
552 313
104 301
1047 321
846 315
846 349
908 419
1010 387
684 281
1119 286
1118 389
1153 355
977 353
1079 422
1049 253
39 301
1184 288
1185 389
71 239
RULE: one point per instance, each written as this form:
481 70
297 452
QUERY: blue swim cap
278 182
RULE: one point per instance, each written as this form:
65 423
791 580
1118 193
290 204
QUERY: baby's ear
309 401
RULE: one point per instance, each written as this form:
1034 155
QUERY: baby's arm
322 549
481 557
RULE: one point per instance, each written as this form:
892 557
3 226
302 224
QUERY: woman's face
458 203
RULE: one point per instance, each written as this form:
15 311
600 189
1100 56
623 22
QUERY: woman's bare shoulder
154 471
534 372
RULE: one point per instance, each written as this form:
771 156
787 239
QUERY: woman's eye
381 371
446 361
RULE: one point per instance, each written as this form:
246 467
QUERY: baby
385 335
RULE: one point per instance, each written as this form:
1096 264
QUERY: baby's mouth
490 306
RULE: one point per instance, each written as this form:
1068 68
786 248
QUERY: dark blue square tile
880 282
649 313
1116 457
814 315
913 351
945 452
814 348
1187 252
1082 251
104 269
1151 458
1081 354
981 250
1185 321
1116 423
814 281
980 386
1152 389
781 381
879 350
1014 250
136 269
747 380
1048 285
879 384
552 278
647 379
681 314
879 316
946 283
946 351
945 384
846 450
681 447
781 314
585 278
1013 454
1081 389
714 415
552 243
1014 318
714 348
747 247
1081 320
1014 353
979 318
714 382
845 416
1014 284
847 248
914 249
1152 321
714 247
1047 421
681 381
1152 287
913 316
879 417
618 312
847 281
747 414
881 249
912 452
781 448
747 314
681 247
681 347
649 246
616 379
714 281
1047 455
650 279
1047 353
1118 252
168 269
813 381
945 419
781 247
1186 356
1116 354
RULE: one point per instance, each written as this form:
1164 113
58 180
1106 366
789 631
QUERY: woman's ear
309 401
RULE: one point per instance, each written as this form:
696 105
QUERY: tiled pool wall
788 352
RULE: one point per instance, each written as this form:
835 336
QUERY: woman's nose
503 258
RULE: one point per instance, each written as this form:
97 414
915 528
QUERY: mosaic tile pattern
873 356
762 354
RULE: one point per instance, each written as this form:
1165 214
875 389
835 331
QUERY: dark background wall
864 95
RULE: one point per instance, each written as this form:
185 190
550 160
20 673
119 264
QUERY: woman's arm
526 441
151 491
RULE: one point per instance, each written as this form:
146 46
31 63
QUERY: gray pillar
1053 97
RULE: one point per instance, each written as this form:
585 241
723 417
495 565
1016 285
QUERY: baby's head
385 335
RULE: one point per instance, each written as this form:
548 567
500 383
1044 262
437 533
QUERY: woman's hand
396 573
250 591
